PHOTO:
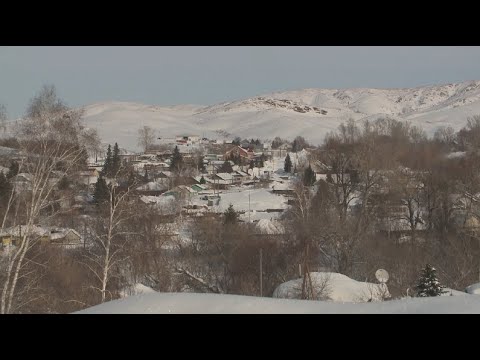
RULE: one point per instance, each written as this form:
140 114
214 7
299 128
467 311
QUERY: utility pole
261 275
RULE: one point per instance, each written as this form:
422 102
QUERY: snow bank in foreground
137 289
188 303
334 287
473 289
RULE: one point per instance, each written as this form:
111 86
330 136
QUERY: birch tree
109 237
49 142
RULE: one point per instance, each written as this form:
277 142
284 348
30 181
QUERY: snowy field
188 303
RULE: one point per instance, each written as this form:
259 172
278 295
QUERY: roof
225 176
20 230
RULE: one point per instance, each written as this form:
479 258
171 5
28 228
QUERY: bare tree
49 141
109 237
146 137
92 142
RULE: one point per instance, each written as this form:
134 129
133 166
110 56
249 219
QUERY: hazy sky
208 75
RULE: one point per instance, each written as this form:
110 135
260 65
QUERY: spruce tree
288 164
309 176
202 180
230 215
116 162
101 193
145 176
107 166
177 160
294 146
428 284
252 164
226 167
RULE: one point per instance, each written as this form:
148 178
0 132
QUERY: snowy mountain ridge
308 112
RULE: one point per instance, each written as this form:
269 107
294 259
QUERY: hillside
309 112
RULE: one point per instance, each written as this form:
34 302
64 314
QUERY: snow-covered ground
188 303
334 287
290 113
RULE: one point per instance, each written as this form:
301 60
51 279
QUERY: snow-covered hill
308 112
188 303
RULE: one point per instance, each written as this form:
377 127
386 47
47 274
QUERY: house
13 235
198 188
181 192
214 165
65 237
55 236
23 181
240 176
238 151
281 151
187 139
88 177
152 188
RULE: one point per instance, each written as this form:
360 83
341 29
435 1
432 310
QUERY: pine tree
107 166
428 284
252 164
226 167
116 162
309 177
13 169
202 180
177 160
288 164
294 146
101 193
230 215
145 176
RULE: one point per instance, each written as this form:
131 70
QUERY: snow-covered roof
151 186
225 176
20 230
270 227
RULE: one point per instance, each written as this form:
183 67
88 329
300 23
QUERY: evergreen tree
116 161
230 215
5 187
226 167
288 164
428 284
13 169
107 166
252 164
202 180
101 193
177 160
294 146
63 184
145 176
309 176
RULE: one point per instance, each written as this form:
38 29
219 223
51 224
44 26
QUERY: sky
164 75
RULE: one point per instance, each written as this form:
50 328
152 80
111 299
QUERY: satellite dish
381 275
